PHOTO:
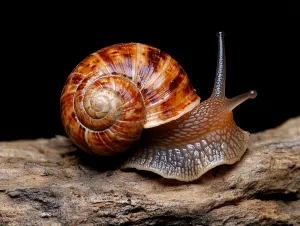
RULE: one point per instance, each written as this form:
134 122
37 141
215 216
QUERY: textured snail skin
201 140
118 91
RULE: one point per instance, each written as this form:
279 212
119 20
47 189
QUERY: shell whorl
103 114
117 91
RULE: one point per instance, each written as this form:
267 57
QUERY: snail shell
117 91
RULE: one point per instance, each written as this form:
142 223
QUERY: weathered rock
49 182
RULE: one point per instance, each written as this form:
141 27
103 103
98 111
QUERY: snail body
118 91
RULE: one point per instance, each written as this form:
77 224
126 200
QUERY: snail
121 90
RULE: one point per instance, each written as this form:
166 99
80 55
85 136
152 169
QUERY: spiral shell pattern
117 91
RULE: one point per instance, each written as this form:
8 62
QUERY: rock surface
49 182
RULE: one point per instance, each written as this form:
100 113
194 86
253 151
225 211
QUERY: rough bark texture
49 182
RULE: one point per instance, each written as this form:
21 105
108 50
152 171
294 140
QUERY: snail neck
210 115
207 116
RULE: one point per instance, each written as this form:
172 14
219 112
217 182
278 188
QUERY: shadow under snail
118 91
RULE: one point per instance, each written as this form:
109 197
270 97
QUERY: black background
41 46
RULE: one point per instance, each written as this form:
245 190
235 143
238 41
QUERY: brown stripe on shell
156 56
151 94
76 132
98 143
144 69
176 81
128 64
76 79
79 140
117 59
86 66
107 58
160 82
122 60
